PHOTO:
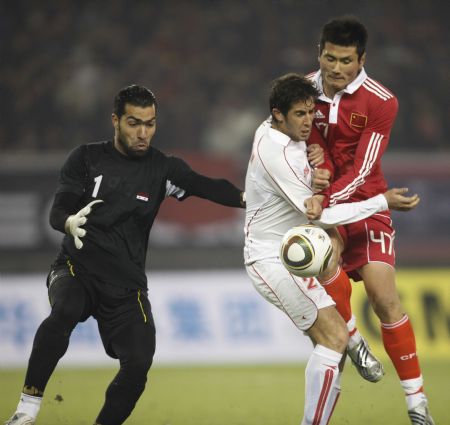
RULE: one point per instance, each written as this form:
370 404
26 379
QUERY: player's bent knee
335 341
144 364
339 339
330 330
388 310
67 298
68 314
138 362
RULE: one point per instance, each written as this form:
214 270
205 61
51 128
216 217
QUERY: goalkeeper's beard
130 152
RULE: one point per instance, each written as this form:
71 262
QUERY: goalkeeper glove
74 223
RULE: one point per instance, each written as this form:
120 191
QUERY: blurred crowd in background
209 63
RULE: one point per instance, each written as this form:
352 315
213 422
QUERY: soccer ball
306 250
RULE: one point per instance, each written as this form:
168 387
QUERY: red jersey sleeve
371 146
317 138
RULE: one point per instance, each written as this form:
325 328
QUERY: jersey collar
350 89
281 138
278 137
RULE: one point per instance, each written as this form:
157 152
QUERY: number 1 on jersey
98 181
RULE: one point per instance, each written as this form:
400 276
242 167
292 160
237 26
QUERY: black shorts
115 308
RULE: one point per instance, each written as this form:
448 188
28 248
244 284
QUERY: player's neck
329 91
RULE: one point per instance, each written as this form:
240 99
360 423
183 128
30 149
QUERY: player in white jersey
279 196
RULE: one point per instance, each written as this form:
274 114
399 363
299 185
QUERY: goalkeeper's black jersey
115 246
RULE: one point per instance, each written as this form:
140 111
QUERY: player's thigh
367 241
301 299
126 325
68 296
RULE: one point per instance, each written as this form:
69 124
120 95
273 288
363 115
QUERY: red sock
339 288
400 344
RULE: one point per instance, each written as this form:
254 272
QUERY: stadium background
209 63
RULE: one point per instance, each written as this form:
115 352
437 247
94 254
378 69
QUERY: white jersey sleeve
351 212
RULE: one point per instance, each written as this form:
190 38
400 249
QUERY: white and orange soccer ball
306 250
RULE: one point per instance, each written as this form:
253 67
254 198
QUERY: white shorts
300 298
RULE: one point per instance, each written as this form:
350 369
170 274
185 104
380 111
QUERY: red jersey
355 125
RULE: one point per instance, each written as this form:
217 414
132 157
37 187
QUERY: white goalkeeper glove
74 223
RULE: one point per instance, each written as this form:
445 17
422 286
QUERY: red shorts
367 241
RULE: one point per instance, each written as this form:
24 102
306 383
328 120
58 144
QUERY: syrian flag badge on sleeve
142 196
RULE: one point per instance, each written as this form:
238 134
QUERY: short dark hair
289 89
344 31
133 95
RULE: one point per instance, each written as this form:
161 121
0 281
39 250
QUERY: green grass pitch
227 395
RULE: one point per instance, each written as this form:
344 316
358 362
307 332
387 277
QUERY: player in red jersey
354 117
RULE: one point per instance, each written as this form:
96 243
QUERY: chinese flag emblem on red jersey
358 120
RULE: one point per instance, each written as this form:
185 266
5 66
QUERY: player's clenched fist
315 155
398 201
320 179
74 223
313 207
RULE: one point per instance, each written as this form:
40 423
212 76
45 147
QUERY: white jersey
277 183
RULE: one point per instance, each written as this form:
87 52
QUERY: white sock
355 336
29 404
414 391
321 373
334 397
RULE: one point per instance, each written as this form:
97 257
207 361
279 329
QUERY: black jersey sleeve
72 177
220 191
64 204
71 186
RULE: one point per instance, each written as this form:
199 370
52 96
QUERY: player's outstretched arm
220 191
349 212
64 204
397 199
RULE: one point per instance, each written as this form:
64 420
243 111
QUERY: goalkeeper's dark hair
133 95
344 31
289 89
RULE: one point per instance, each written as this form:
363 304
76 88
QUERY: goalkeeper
107 198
